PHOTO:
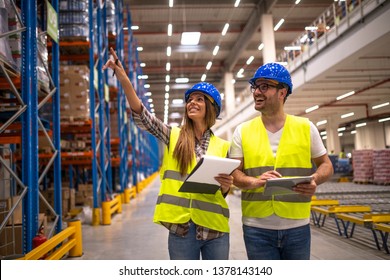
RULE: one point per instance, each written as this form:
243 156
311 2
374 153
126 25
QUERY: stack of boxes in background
362 166
6 54
68 201
74 90
73 20
381 165
371 166
11 236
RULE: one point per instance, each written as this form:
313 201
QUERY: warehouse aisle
133 236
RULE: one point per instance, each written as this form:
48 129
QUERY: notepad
279 186
201 179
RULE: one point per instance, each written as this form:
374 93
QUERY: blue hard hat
209 90
273 71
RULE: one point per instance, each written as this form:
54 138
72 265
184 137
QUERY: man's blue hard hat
273 71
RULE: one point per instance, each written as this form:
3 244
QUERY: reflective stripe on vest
198 204
207 210
292 158
287 172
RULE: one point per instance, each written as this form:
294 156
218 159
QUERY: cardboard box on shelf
5 207
11 241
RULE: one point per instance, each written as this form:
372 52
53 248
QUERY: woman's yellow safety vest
207 210
293 158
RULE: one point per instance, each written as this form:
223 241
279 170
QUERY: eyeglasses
262 87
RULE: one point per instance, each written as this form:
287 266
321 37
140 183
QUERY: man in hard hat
275 145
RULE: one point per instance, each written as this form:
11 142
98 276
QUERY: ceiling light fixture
190 38
133 27
182 80
225 29
347 115
308 110
249 61
260 47
170 3
140 49
237 3
297 2
166 88
384 120
345 95
380 105
203 78
167 78
311 28
240 73
279 24
142 64
215 51
208 66
361 124
321 122
177 101
169 51
168 66
170 29
341 129
292 48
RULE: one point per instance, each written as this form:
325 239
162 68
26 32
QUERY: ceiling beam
254 22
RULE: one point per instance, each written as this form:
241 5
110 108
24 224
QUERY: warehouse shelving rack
26 124
123 121
99 106
146 148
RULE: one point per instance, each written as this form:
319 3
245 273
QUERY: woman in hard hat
197 223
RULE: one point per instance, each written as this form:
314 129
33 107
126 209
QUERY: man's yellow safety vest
293 158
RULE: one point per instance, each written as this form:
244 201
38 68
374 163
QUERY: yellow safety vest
207 210
293 158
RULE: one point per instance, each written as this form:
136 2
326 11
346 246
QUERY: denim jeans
189 248
267 244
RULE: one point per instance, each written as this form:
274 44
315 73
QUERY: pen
116 62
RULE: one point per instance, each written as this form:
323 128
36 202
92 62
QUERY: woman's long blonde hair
185 146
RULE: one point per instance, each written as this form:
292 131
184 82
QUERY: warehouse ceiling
368 72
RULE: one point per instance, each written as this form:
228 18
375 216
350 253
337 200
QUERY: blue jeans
267 244
189 248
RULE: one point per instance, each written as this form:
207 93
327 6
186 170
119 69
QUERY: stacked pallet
381 167
362 166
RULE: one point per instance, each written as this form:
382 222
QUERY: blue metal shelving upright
30 122
145 148
121 101
101 165
29 104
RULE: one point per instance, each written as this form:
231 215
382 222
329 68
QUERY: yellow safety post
119 203
106 217
77 250
96 216
126 196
